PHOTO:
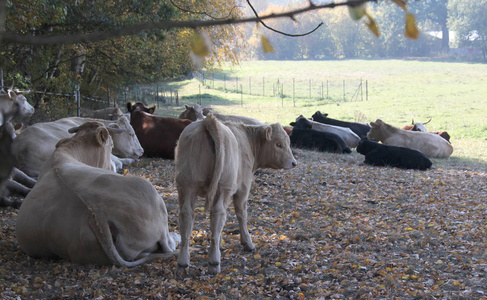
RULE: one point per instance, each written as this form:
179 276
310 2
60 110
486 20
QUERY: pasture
331 228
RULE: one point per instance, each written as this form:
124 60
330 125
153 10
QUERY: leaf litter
332 228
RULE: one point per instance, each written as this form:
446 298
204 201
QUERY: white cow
35 144
82 211
217 161
108 113
431 145
12 98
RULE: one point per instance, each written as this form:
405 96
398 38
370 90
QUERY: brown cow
217 161
418 126
140 106
82 211
157 135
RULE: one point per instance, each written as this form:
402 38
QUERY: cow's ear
292 124
102 135
129 106
374 125
152 109
187 106
73 129
11 94
114 128
268 133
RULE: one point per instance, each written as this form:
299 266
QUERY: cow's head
301 123
318 115
275 151
140 106
418 126
16 97
193 113
365 145
376 130
125 142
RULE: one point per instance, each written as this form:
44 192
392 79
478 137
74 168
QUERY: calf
217 161
401 157
82 211
157 135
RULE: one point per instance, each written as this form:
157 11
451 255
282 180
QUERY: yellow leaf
411 30
282 237
257 256
278 264
200 44
401 3
456 282
372 25
266 45
125 172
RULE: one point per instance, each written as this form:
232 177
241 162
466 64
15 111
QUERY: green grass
454 94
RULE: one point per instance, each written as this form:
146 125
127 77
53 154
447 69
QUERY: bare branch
281 32
203 13
104 35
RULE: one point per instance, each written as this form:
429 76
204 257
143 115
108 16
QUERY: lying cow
418 126
317 140
384 155
217 161
360 129
34 145
345 133
82 211
108 113
193 113
157 135
430 145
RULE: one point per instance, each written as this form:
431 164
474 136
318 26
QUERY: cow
431 145
217 160
420 127
35 144
377 154
193 113
108 113
345 133
15 97
157 135
81 211
318 140
139 105
360 129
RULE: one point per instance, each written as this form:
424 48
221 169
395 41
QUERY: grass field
453 94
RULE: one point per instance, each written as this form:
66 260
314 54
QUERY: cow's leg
186 221
240 203
23 178
217 221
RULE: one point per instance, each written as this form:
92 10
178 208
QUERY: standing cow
217 161
431 145
82 211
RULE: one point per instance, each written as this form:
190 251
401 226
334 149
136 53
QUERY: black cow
377 154
318 140
360 129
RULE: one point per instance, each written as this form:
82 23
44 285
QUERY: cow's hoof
249 248
214 269
181 271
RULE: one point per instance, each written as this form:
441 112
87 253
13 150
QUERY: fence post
294 100
361 91
366 90
344 90
77 97
236 88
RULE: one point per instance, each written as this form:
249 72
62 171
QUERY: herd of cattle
78 207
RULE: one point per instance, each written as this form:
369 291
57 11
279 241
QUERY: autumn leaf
200 44
266 46
372 25
411 31
401 3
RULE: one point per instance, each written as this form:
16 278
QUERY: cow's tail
213 127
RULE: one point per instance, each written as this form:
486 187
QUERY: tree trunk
445 38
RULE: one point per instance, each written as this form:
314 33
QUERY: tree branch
203 13
104 35
281 32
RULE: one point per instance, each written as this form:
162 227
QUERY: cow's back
429 144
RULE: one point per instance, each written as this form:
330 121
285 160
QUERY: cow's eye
279 145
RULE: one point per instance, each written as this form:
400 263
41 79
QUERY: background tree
467 17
